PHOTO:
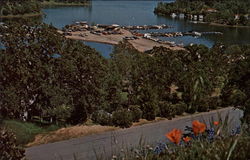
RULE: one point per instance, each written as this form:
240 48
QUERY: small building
195 17
201 17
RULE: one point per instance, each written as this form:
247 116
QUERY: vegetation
29 8
19 7
25 132
196 142
228 12
47 79
8 146
65 2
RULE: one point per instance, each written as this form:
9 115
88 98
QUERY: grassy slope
25 131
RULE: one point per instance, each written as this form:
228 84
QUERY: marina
114 34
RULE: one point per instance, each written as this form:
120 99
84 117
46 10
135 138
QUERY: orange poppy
186 139
174 136
216 123
198 127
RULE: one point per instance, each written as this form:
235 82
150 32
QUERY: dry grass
68 133
144 121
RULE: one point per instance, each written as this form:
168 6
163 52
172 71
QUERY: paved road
108 143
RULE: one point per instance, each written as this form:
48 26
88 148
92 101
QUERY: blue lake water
140 13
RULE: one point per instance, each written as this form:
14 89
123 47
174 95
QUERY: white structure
181 16
147 35
201 17
195 17
173 15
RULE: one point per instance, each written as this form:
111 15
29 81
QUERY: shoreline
23 15
226 25
61 4
208 23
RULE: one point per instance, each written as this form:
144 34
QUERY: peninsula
113 34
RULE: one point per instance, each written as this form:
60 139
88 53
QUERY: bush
203 106
102 117
237 98
149 110
8 146
167 110
180 108
136 113
214 102
192 108
122 118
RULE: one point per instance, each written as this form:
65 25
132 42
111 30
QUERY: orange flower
186 139
174 136
216 123
198 127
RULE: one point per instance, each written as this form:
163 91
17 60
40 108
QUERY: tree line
217 11
47 78
21 7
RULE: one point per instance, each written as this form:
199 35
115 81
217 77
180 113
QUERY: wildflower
186 139
210 134
216 123
174 136
198 127
160 148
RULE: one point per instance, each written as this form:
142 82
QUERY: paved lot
90 147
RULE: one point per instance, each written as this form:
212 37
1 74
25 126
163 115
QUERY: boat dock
114 34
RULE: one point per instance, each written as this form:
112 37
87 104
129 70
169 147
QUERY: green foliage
8 146
223 11
136 112
39 84
25 132
180 108
167 110
60 113
17 7
102 117
214 102
122 118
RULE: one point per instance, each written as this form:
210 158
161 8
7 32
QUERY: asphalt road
108 143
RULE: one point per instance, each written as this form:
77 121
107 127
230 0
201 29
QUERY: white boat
173 15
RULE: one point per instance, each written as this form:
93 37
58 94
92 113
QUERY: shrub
180 108
102 117
237 98
122 118
203 106
8 146
192 108
136 112
214 102
167 110
61 113
149 110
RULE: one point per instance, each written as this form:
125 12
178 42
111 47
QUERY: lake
140 13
